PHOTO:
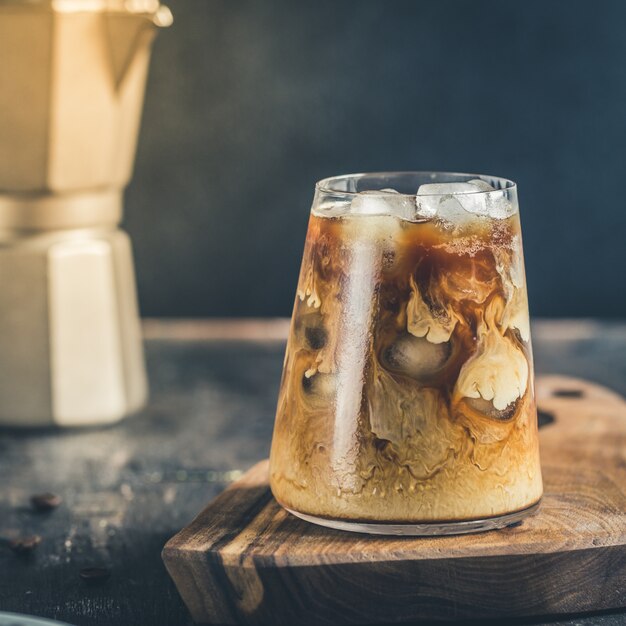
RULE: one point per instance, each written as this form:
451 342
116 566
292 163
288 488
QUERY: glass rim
326 185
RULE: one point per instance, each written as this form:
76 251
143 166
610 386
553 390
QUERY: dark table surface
128 488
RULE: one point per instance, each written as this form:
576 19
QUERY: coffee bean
44 502
24 545
94 575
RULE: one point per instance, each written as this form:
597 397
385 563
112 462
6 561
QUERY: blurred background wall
249 103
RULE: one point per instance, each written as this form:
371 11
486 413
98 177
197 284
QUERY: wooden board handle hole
568 393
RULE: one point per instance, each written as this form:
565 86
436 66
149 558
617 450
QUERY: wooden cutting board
245 560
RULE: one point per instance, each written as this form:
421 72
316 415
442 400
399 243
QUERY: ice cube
331 208
481 184
320 385
442 189
452 210
498 205
452 202
383 202
459 202
415 357
486 408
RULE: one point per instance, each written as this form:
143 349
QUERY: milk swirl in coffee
407 391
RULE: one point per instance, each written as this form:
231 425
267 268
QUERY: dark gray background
249 103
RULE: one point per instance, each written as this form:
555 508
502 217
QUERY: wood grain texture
245 560
128 488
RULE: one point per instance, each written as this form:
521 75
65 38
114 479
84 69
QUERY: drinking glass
406 404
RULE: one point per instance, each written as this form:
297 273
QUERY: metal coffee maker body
72 77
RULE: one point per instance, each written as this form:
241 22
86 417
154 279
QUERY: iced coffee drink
406 403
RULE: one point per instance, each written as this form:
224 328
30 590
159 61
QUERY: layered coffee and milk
407 391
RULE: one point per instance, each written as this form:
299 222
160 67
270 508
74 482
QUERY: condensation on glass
406 403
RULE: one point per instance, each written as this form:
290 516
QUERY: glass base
423 529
